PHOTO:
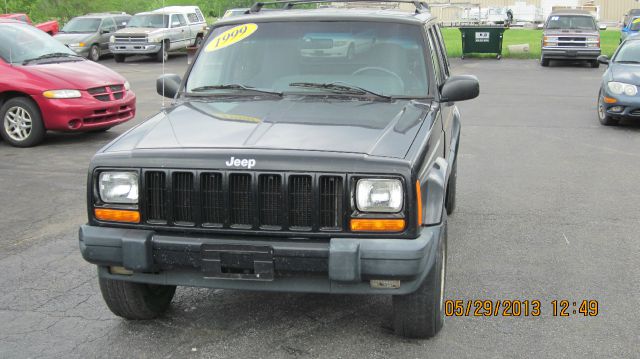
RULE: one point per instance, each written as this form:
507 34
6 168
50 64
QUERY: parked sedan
618 98
46 86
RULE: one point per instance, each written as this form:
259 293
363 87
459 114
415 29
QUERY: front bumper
135 49
81 51
630 106
570 53
344 265
85 113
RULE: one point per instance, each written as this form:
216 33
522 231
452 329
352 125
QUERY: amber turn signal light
419 199
610 100
117 215
377 225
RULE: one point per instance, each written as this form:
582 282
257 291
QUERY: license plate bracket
239 262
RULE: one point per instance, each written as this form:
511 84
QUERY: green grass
453 39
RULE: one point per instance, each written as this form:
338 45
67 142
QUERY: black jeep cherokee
305 151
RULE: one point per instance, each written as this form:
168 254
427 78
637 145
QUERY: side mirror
104 31
603 59
603 27
168 85
460 88
540 26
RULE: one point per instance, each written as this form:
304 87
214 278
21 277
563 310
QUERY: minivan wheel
94 53
21 122
421 314
136 301
603 116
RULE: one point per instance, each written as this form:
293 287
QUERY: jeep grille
244 200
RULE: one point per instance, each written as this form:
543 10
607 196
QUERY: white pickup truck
158 32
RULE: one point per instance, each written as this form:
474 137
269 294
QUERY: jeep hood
374 128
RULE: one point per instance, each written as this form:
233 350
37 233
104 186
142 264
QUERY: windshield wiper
50 56
627 62
340 87
235 87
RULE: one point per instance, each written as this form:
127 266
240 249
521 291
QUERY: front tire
94 53
21 122
595 64
421 313
136 301
163 55
119 57
604 118
544 62
450 199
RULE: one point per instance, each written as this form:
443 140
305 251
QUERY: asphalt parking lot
547 209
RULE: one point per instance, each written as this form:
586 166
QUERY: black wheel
198 41
603 116
136 301
94 53
421 314
544 62
163 55
498 57
594 64
450 199
21 122
119 57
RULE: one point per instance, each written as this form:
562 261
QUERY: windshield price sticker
231 36
482 37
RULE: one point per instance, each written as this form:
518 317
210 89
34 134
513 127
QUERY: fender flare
435 192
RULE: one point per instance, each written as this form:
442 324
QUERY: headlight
619 88
62 94
379 195
77 44
127 86
118 187
593 41
112 39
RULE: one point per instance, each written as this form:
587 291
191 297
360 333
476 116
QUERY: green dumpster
482 40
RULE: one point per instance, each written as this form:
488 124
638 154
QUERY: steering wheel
379 69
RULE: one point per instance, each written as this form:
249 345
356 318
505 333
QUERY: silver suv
157 32
571 35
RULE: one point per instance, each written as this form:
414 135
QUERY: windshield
569 22
634 25
82 25
23 42
628 52
383 58
149 20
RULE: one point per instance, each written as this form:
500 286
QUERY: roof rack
421 6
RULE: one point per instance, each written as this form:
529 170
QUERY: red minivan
44 86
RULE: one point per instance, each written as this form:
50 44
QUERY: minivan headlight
118 187
379 195
62 94
619 88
